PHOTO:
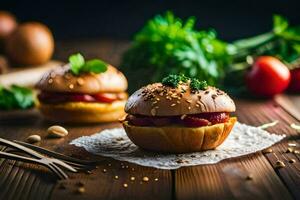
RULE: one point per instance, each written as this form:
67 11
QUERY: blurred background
43 34
121 19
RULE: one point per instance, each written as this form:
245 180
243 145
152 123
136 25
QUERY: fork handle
20 158
20 147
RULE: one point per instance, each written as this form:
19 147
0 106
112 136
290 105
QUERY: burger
81 91
178 115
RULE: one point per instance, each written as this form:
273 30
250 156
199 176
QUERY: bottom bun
178 139
83 112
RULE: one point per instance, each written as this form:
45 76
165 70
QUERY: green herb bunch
79 65
174 80
283 42
167 45
16 97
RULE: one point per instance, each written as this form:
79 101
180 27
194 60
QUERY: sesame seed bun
160 100
62 80
176 139
83 112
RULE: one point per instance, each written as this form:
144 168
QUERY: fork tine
58 174
55 154
60 171
63 164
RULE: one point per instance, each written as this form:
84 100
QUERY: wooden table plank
269 112
290 103
228 178
98 184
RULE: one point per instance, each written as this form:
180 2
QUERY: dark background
121 19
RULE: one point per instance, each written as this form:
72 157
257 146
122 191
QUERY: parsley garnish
173 80
198 85
79 65
16 97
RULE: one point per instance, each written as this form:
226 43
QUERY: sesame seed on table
271 174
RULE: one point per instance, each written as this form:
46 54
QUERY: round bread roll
175 139
62 80
160 100
31 43
83 112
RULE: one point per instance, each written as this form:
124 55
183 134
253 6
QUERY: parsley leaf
79 65
76 61
16 97
280 24
95 66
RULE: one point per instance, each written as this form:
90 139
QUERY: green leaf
79 65
76 63
16 97
96 66
292 34
7 100
23 96
280 24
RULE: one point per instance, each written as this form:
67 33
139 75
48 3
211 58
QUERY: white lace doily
114 143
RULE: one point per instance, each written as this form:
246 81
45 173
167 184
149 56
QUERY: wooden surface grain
224 180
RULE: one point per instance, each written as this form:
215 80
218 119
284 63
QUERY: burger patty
55 97
197 120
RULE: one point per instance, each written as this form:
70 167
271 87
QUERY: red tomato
294 85
105 97
268 76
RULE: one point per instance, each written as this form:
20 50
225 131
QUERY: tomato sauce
197 120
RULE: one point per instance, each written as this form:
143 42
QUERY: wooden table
225 180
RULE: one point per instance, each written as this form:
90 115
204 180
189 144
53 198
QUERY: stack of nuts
24 44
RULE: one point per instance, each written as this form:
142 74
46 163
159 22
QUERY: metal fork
45 162
50 163
74 162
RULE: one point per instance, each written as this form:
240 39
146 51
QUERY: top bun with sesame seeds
178 115
62 80
162 99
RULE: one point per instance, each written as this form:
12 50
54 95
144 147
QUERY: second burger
83 92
